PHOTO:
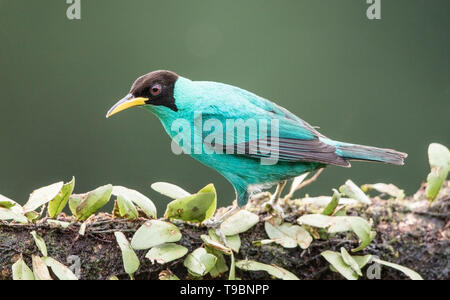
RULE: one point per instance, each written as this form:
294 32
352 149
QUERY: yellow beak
127 102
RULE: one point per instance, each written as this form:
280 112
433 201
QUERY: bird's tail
367 153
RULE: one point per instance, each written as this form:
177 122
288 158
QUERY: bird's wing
295 141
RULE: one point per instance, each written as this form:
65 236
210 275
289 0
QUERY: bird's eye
156 90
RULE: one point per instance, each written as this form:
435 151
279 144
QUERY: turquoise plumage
301 148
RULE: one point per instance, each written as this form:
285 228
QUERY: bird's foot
273 206
214 223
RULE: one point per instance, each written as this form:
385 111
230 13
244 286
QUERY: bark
410 232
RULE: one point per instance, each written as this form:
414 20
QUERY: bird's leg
273 202
303 184
216 222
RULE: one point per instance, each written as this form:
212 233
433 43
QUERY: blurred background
383 83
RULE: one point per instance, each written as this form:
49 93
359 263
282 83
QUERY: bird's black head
154 88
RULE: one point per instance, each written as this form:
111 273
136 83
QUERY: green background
383 82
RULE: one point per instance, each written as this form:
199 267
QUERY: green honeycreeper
299 147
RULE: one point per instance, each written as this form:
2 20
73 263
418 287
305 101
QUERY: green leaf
232 274
60 270
57 223
439 159
384 188
32 215
170 190
348 259
407 271
337 262
128 197
288 235
40 269
221 265
200 262
165 253
276 271
240 222
153 233
358 225
57 204
353 191
10 214
362 261
83 206
42 196
362 228
330 208
438 155
7 203
231 241
217 245
40 243
20 271
129 257
194 208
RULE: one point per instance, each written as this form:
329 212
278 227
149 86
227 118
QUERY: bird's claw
272 206
213 223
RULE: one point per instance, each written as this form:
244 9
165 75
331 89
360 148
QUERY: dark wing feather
289 150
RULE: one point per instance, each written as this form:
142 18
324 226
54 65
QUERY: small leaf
335 224
32 215
438 155
200 262
40 269
221 265
363 230
57 204
362 261
407 271
83 206
240 222
167 275
232 241
295 184
194 208
232 274
7 203
113 278
170 190
129 195
130 259
153 233
40 243
384 188
41 196
60 270
278 272
336 261
82 229
165 253
210 242
288 235
20 271
10 214
58 223
323 201
353 191
329 209
439 159
348 259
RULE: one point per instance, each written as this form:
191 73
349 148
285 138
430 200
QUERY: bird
250 161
